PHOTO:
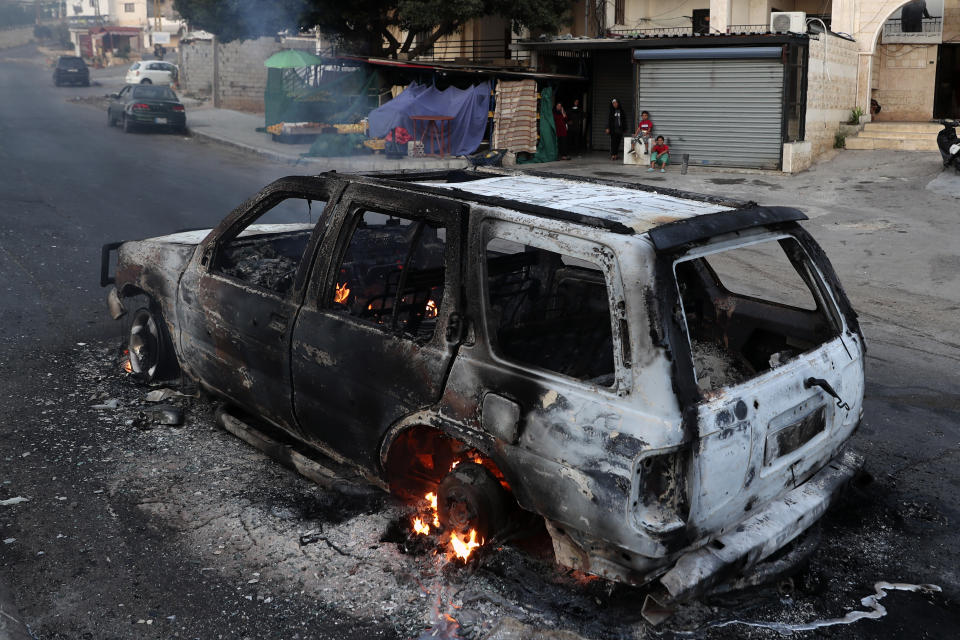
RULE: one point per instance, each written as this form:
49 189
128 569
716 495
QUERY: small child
660 155
644 129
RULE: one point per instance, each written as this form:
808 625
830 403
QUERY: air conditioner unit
788 21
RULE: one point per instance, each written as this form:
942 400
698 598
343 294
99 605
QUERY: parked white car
152 72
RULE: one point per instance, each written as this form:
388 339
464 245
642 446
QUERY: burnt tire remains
470 497
150 350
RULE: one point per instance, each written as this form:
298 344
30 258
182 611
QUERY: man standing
616 125
912 15
575 127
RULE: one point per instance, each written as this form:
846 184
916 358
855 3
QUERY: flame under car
668 380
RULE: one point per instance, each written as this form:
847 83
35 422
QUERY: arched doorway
903 60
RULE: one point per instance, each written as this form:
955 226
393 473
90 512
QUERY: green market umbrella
292 59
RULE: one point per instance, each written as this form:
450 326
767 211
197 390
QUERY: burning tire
470 497
149 346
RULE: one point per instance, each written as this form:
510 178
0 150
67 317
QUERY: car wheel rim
144 345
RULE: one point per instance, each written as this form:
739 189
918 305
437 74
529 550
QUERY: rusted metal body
639 467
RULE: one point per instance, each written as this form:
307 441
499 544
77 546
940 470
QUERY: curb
12 626
272 155
350 165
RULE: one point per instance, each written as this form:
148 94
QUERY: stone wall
831 95
951 21
831 89
15 37
903 81
196 67
234 70
243 78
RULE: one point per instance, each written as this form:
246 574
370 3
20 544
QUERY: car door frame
118 101
196 331
363 448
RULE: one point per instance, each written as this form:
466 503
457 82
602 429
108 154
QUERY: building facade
760 83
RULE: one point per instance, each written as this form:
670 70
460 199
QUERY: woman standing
616 125
560 119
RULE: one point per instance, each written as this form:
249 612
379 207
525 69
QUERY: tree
368 27
241 19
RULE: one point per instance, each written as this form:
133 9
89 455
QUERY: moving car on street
668 380
71 70
152 72
146 106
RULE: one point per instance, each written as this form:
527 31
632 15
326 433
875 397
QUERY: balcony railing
927 27
650 33
495 51
748 28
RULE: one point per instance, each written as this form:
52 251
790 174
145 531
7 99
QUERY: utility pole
157 22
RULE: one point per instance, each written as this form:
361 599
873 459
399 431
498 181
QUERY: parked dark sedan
71 69
147 106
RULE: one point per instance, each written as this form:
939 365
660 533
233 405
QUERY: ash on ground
235 519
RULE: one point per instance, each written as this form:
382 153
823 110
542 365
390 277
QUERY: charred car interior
666 380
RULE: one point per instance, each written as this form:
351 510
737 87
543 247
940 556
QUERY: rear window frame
565 246
820 287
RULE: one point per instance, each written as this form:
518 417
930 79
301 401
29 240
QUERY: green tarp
547 145
292 95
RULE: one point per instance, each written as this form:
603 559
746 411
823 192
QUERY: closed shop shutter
612 78
726 113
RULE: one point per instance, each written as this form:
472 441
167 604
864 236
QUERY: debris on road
159 395
12 501
165 414
111 404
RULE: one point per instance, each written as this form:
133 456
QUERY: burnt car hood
154 265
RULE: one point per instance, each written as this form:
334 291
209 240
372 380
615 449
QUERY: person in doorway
643 132
660 155
616 126
575 126
560 119
912 15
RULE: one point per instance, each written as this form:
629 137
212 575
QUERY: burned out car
668 379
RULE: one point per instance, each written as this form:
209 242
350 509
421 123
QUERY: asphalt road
115 540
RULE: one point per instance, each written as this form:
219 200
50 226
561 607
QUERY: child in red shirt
644 129
660 155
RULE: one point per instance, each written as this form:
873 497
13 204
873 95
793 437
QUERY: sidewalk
239 130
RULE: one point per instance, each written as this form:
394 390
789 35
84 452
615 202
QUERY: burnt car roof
673 218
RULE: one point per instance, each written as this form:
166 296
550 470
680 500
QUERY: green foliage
855 114
241 19
839 140
371 27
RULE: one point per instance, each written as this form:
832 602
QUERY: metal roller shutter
612 78
726 113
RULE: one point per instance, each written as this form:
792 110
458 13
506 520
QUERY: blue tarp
469 108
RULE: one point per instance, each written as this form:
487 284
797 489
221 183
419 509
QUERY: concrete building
758 83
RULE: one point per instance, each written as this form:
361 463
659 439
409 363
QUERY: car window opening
269 257
393 274
749 310
551 311
149 92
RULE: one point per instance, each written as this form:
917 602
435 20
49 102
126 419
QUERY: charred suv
669 380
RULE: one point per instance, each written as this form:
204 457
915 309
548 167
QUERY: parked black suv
71 69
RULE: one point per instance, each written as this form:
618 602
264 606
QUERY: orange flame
432 499
463 548
420 527
431 310
127 366
341 294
